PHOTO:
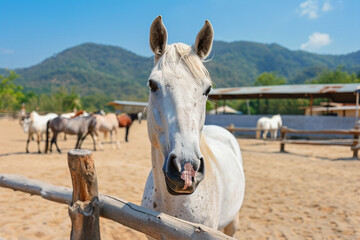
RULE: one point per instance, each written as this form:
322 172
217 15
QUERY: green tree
268 78
336 76
10 93
60 101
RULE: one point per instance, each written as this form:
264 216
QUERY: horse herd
80 124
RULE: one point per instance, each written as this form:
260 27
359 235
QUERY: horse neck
34 116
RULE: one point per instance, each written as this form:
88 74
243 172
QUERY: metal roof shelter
344 93
128 106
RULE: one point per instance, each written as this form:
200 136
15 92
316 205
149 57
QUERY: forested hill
240 63
90 69
100 69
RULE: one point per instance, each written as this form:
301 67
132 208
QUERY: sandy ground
311 192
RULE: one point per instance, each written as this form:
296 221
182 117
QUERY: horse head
179 86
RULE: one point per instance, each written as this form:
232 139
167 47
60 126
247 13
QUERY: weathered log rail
83 202
353 143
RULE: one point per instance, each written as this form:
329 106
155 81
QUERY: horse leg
38 134
111 139
127 133
265 134
27 142
117 138
93 138
54 140
97 139
230 229
82 138
258 132
275 134
77 146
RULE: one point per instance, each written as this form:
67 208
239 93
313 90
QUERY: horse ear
158 37
204 40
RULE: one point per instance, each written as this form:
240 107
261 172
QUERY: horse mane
208 155
182 53
78 113
32 116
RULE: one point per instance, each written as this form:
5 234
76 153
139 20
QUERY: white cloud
312 8
326 7
309 8
316 40
6 51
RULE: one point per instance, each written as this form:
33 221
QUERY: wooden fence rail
353 143
155 224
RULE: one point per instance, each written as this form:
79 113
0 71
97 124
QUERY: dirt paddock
311 192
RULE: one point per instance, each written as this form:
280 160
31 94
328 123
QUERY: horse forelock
180 53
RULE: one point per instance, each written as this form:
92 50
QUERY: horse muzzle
183 177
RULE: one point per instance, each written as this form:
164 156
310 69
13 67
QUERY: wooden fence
86 205
353 143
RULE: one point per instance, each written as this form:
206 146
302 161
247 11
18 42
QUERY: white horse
266 124
36 124
197 172
139 116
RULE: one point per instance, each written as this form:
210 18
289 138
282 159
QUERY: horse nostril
201 166
173 164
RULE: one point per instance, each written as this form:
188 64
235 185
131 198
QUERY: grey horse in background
80 126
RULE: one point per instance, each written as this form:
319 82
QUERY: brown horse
125 121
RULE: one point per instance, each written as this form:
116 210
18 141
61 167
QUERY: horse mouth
176 186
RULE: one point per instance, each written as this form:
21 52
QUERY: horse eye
206 93
153 85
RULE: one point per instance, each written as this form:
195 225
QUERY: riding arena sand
311 192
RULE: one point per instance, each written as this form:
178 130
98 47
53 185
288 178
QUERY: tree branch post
84 209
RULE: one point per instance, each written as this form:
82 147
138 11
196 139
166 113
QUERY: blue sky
32 31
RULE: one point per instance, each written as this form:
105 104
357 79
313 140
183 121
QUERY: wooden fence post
231 128
283 138
355 145
84 209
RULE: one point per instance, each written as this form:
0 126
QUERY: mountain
90 69
100 69
240 63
